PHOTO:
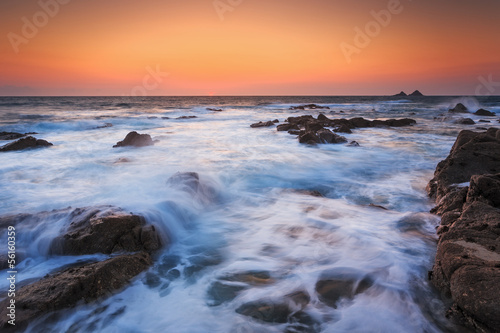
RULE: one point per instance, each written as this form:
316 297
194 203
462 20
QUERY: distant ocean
260 220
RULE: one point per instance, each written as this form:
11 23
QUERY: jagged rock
262 124
68 288
136 140
105 230
472 154
485 113
25 143
459 108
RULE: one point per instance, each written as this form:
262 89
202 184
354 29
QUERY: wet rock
135 139
354 144
485 113
340 284
219 293
287 309
276 121
190 183
105 230
309 106
214 110
467 265
10 135
342 129
286 127
323 118
484 121
254 278
326 136
106 125
187 117
73 286
465 121
472 154
262 124
25 143
459 108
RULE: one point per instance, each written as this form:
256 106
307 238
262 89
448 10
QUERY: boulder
459 108
262 124
286 127
10 135
342 129
135 139
25 143
73 286
472 154
326 136
465 121
105 230
485 113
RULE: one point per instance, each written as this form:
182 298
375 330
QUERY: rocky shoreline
466 187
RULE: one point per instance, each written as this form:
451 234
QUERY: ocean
259 216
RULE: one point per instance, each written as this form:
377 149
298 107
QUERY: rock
465 121
25 143
276 311
105 230
416 93
485 113
459 108
189 182
342 129
286 127
467 265
276 121
341 283
10 135
472 154
309 138
309 106
72 286
219 293
326 136
152 117
354 144
106 125
401 94
262 124
187 117
322 117
136 140
484 121
214 110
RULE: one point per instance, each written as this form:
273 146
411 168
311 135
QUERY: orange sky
255 47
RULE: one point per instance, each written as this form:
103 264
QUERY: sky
249 47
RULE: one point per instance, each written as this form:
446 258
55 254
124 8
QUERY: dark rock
294 132
342 129
309 138
262 124
416 93
354 144
286 127
484 121
465 121
105 230
322 117
326 136
136 140
187 117
459 108
341 283
467 265
214 110
219 293
309 106
313 126
254 278
72 286
152 117
10 135
485 113
472 154
276 121
25 143
401 94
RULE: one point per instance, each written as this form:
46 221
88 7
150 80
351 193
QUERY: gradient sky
260 47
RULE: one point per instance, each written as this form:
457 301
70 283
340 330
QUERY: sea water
257 215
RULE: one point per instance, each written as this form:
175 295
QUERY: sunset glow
256 47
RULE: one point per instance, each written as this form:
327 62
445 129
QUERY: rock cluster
92 230
467 266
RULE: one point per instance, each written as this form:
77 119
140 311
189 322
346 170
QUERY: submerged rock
105 230
214 110
465 121
25 143
73 286
187 117
309 106
340 284
135 139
